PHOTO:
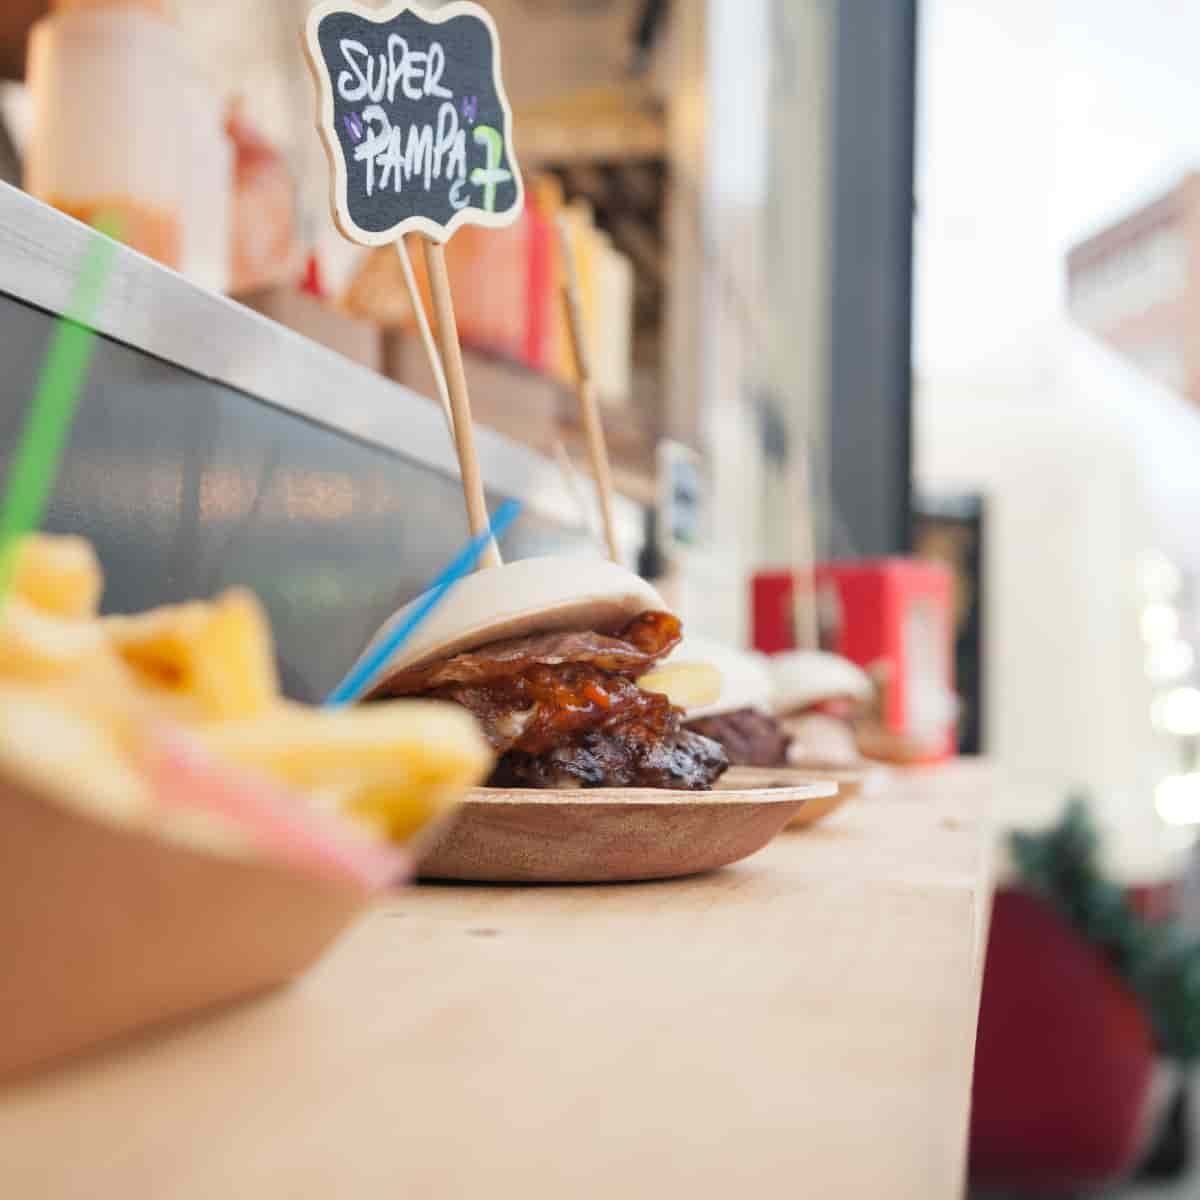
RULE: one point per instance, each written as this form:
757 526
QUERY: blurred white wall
1085 465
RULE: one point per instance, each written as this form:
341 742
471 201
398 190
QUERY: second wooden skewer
588 408
460 404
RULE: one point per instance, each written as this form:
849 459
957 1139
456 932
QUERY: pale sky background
1039 121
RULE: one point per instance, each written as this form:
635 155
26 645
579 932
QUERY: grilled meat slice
751 737
682 760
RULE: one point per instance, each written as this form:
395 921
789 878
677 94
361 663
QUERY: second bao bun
532 595
804 677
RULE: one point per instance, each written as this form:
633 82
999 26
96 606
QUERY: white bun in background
533 595
803 677
745 677
817 738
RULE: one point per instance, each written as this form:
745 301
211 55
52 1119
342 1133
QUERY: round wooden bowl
609 835
849 781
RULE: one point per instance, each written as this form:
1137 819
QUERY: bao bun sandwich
740 718
817 697
556 659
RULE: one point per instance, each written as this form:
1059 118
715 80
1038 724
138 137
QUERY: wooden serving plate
849 781
610 835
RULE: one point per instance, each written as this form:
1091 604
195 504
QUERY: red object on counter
771 625
894 617
312 284
1063 1060
539 327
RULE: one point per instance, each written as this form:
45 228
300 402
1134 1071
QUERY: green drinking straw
36 459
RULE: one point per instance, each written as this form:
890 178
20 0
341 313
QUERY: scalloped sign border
412 105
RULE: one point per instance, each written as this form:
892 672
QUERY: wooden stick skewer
575 485
589 410
426 333
460 403
805 622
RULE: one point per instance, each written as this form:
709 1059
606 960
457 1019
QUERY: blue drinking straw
362 675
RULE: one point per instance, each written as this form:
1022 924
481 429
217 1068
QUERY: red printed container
894 618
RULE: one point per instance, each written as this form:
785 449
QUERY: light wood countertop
799 1025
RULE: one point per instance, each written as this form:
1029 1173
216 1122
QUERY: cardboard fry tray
105 930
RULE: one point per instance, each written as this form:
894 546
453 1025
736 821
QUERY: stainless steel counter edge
154 309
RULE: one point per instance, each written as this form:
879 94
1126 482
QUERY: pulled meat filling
642 643
564 710
544 707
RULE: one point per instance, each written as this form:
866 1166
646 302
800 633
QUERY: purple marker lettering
470 106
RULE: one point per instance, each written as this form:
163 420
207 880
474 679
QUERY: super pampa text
418 118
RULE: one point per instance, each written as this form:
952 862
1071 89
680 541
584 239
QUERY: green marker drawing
491 176
35 460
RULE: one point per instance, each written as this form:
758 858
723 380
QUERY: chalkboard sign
414 119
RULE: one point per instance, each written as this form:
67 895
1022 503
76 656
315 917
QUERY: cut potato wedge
36 646
395 764
394 739
219 653
85 701
58 575
87 767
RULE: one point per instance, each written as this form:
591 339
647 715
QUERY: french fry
96 766
60 576
235 674
398 811
396 763
82 698
35 646
108 692
87 766
220 653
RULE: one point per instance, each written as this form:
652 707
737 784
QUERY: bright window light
1177 799
1159 576
1177 712
1160 623
1167 662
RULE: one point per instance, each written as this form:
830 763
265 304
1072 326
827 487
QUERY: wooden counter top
800 1025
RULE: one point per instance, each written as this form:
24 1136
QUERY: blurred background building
1131 284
